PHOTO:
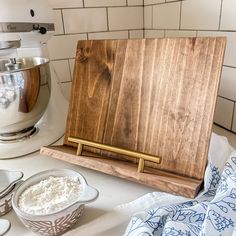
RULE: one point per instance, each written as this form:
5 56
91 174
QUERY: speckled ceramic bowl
59 222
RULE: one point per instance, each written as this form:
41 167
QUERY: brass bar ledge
141 156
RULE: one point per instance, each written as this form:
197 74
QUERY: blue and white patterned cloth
212 213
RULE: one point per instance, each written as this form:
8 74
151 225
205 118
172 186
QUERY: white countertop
113 191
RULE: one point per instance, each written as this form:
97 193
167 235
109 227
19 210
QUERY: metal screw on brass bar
141 165
79 149
142 156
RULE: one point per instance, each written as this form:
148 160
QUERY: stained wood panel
155 96
164 101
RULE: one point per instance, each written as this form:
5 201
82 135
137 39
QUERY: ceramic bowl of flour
51 202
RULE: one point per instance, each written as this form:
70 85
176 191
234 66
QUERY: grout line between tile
161 3
118 30
180 15
205 30
232 121
63 24
94 32
143 19
107 19
65 82
68 62
221 6
233 67
231 100
152 17
221 126
63 59
71 8
190 30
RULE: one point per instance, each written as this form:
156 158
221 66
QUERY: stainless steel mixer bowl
24 95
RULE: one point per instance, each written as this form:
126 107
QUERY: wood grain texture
161 180
155 96
90 90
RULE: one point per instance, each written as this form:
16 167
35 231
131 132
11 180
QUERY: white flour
50 195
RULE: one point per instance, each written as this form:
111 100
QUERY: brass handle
142 156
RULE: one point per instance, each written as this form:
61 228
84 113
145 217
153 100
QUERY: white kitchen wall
89 19
176 18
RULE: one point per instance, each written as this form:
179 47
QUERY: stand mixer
32 108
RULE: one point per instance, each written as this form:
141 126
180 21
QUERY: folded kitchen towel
212 212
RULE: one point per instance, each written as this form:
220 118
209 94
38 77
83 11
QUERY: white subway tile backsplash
136 34
154 33
180 33
66 89
166 16
200 14
224 112
58 22
124 18
230 53
228 83
148 2
66 3
148 17
228 16
135 2
109 35
85 20
61 70
64 46
103 3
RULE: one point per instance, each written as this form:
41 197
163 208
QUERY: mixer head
25 24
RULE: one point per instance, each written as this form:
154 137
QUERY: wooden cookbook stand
143 110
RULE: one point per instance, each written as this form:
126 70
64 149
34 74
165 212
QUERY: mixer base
18 136
45 135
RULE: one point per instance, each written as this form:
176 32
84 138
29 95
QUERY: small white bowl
5 202
59 222
5 225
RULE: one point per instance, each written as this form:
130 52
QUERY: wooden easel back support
150 96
